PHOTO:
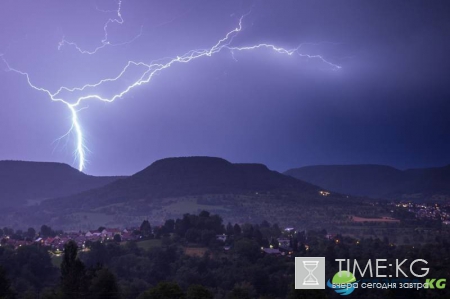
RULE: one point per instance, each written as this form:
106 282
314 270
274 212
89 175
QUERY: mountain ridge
377 181
171 187
186 176
22 181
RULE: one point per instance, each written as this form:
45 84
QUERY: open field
57 260
195 251
188 205
147 244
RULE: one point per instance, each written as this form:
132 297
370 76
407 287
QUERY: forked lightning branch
149 70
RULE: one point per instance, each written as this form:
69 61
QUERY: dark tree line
125 270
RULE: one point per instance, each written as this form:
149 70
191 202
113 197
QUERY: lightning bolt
105 41
148 72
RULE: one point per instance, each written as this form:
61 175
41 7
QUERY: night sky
389 103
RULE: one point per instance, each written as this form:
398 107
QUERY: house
111 232
15 243
284 242
80 240
330 236
272 251
286 250
222 238
50 241
93 233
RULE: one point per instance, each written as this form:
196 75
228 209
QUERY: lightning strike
105 41
150 70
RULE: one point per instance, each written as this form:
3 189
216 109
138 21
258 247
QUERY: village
281 246
57 242
434 211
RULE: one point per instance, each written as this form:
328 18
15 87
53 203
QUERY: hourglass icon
310 279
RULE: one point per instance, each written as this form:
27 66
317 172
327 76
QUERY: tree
33 264
5 286
276 231
117 238
19 232
46 231
237 229
8 231
258 236
146 228
198 292
207 237
169 226
247 230
104 285
98 254
193 235
229 230
182 225
242 291
265 224
31 233
204 214
157 232
73 273
247 249
164 290
294 242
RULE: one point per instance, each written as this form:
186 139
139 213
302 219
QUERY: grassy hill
171 187
175 177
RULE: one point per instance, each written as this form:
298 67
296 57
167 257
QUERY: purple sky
388 104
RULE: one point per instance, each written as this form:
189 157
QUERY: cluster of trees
166 272
201 229
30 234
114 270
18 234
28 271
